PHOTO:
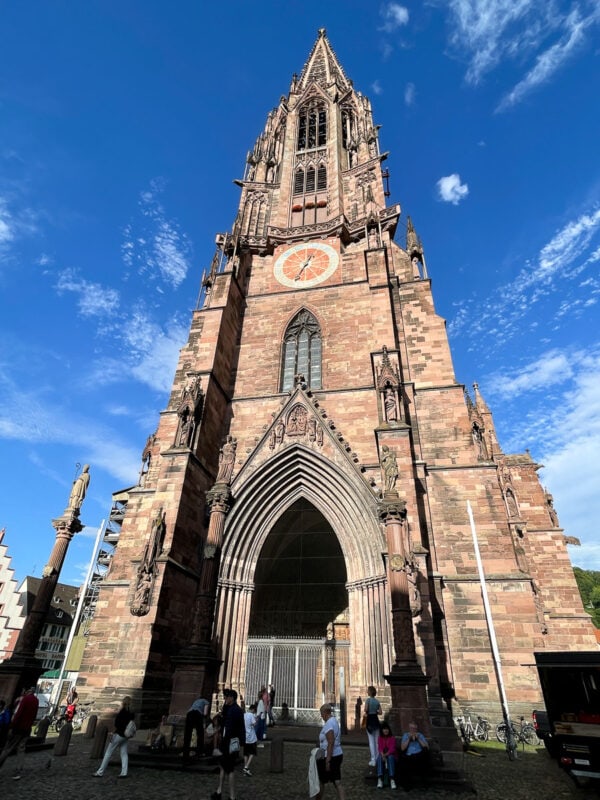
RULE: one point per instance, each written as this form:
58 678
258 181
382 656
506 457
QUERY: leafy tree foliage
588 582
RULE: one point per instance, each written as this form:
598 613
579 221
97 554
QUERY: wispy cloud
489 32
451 190
94 300
7 233
563 427
376 86
410 94
394 16
155 245
558 268
548 62
25 418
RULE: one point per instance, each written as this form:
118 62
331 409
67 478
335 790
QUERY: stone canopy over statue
79 489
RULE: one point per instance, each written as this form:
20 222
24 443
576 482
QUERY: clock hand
303 266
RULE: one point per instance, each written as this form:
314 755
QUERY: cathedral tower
301 516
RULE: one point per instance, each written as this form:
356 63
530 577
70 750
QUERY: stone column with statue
23 669
406 679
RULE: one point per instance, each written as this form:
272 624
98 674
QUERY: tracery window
301 351
312 128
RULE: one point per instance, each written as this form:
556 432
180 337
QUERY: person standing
250 744
271 705
232 740
122 720
372 711
329 764
20 729
195 720
261 713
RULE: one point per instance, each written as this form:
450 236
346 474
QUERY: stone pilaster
406 679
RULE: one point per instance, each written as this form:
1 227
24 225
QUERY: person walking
329 762
232 740
19 730
119 739
251 738
386 758
372 711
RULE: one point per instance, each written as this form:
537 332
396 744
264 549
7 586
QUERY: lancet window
312 127
302 351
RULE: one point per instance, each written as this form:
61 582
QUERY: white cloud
24 418
94 300
489 32
7 233
394 16
410 94
451 190
557 268
376 86
548 62
553 367
158 249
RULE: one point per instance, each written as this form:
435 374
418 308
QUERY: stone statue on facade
79 489
389 467
227 460
389 405
552 510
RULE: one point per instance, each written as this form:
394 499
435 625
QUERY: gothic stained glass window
302 351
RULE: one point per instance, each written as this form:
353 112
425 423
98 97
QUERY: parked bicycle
77 718
524 733
469 731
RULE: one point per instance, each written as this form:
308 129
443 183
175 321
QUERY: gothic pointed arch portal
320 513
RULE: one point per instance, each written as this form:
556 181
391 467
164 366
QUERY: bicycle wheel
529 735
58 724
482 733
501 732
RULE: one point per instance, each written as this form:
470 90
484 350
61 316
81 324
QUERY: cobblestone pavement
532 777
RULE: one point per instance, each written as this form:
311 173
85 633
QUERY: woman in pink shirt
386 746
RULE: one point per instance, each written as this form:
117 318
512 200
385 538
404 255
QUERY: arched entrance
298 631
323 482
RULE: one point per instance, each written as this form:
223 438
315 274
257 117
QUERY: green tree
588 582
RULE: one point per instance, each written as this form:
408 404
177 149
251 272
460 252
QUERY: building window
302 351
312 128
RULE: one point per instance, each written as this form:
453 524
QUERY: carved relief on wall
388 387
297 425
479 442
189 410
146 459
147 570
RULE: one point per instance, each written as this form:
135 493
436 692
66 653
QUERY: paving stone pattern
532 777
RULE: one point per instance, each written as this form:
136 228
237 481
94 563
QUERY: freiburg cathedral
302 513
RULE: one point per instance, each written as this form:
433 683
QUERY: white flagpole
490 622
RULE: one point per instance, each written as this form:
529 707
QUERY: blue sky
122 127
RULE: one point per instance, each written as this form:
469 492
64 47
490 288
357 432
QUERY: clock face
306 264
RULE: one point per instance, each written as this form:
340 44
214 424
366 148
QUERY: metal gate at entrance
303 672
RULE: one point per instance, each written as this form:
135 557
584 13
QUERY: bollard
276 755
41 730
90 726
99 742
64 737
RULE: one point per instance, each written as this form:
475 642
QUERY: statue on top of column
79 489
